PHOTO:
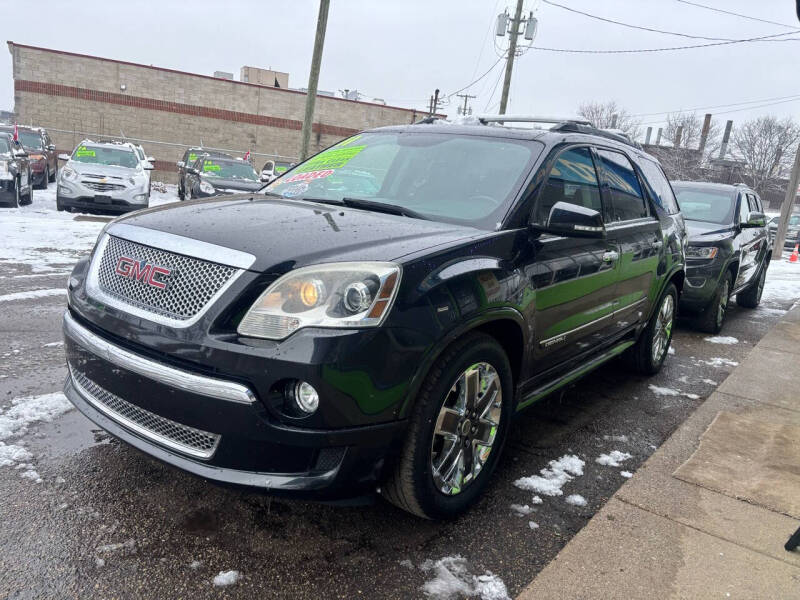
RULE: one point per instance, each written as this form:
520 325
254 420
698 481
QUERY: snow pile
626 474
718 362
614 459
536 500
11 455
521 510
452 579
576 500
722 339
709 381
31 409
663 391
30 295
226 578
552 479
533 525
782 286
32 475
671 350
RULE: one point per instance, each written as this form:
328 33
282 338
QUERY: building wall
77 93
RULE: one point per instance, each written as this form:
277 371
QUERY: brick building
76 96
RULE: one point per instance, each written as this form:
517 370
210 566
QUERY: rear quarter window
658 186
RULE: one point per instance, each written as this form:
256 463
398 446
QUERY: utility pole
313 77
658 136
786 209
512 50
466 98
725 139
704 134
434 105
647 137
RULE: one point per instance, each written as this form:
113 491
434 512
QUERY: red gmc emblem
141 271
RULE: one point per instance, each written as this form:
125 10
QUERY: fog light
306 397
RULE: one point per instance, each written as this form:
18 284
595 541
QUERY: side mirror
63 156
191 170
755 219
150 159
148 166
180 164
51 147
572 220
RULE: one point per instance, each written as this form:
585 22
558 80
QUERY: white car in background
146 161
106 176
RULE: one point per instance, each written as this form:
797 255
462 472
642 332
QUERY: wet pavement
108 522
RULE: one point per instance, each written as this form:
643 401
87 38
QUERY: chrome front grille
103 187
189 287
180 437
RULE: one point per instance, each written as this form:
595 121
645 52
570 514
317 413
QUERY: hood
702 231
286 234
236 185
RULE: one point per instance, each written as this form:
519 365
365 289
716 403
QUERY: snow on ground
709 381
533 525
50 241
718 362
521 510
25 411
576 500
452 579
550 481
613 459
782 284
722 339
128 545
31 294
663 391
626 474
226 578
616 438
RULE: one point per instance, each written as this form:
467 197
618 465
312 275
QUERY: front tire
647 355
457 431
751 297
713 316
54 175
45 179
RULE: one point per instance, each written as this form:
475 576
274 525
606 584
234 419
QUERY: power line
496 83
735 110
469 85
606 20
727 12
650 50
666 112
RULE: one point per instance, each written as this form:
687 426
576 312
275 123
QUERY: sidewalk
663 537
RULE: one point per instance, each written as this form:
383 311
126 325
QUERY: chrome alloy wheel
466 428
663 331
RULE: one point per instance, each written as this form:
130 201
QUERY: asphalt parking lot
106 521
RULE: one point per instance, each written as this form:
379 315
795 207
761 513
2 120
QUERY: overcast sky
402 50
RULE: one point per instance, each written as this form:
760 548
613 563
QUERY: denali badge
141 271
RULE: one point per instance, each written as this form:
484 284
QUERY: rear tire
442 426
647 355
751 297
713 316
45 179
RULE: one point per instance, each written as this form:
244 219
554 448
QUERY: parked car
378 315
16 182
273 169
189 158
146 162
792 231
41 153
213 176
105 176
728 252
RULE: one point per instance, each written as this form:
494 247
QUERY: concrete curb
662 537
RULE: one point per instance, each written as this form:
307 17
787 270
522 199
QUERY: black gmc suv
376 316
728 252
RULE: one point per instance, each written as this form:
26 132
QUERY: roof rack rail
611 134
484 119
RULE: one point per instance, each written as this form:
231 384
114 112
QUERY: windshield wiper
390 209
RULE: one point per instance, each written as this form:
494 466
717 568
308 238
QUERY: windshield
102 155
228 169
443 176
4 146
709 205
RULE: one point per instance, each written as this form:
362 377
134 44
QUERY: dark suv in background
214 176
729 249
41 153
189 158
376 316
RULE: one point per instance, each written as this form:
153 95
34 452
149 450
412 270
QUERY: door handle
610 256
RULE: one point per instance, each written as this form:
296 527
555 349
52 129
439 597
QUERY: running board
573 375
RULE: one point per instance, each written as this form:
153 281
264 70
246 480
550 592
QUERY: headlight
68 173
707 252
339 295
206 187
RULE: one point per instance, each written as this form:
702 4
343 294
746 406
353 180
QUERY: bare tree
602 116
766 145
684 159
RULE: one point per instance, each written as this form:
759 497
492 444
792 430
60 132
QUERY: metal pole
614 118
678 135
725 138
647 137
704 134
658 136
786 209
313 77
512 49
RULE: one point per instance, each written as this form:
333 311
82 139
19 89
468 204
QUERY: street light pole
313 77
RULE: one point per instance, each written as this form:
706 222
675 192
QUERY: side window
572 179
744 208
660 189
752 202
627 200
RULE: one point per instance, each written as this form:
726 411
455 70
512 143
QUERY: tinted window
572 179
706 204
744 209
4 147
627 200
660 189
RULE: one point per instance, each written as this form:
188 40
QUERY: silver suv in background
104 176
